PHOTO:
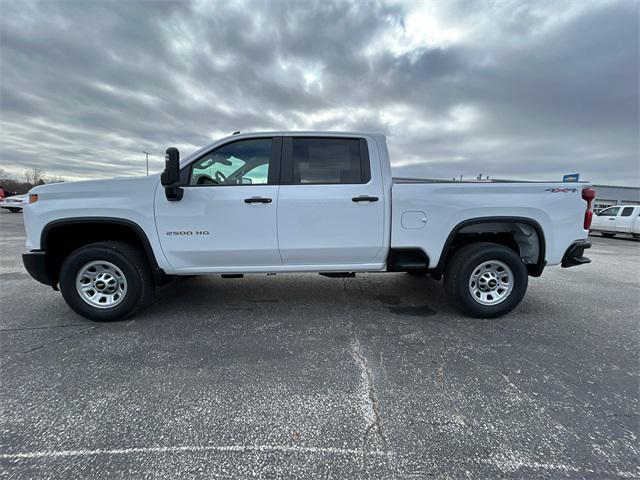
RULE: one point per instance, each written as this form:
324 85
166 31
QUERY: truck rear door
626 219
331 202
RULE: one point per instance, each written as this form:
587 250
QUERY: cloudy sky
511 89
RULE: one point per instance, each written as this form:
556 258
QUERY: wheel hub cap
101 284
491 282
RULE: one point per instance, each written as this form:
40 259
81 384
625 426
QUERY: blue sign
572 177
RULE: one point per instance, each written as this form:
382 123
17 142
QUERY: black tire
461 267
15 210
608 235
133 265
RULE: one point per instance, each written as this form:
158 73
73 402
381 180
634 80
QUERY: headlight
33 197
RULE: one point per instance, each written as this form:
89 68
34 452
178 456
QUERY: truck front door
606 219
331 207
227 215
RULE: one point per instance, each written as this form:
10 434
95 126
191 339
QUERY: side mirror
170 178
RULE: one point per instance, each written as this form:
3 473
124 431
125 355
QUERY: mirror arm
173 192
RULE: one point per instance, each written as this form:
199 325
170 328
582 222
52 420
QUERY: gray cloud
515 89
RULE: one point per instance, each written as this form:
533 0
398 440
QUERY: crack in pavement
371 405
20 329
57 340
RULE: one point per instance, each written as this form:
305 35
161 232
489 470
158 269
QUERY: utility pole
147 154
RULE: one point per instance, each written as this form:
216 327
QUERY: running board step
338 274
233 275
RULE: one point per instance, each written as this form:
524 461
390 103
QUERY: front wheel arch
60 238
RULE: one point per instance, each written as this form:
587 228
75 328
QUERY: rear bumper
36 264
575 254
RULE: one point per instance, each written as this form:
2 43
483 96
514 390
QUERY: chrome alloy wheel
491 282
101 284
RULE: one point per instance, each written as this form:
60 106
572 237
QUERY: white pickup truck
620 220
298 202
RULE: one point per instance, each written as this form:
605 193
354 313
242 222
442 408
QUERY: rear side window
329 160
627 212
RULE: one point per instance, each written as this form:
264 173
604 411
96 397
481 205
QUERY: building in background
608 195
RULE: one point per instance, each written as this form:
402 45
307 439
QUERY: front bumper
36 264
575 254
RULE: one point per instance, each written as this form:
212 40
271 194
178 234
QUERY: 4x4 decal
561 190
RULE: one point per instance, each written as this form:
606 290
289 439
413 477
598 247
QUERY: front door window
245 162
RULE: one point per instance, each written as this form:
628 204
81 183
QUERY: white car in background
15 203
621 219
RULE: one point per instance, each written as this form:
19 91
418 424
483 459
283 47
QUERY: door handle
364 198
257 200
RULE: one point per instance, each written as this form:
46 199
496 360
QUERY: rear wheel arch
523 235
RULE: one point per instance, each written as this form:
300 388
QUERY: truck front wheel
486 280
106 281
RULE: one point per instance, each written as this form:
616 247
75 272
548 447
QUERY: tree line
31 178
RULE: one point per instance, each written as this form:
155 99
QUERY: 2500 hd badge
189 232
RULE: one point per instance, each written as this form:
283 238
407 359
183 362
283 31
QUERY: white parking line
511 465
193 448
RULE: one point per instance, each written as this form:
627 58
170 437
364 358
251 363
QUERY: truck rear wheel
486 280
106 281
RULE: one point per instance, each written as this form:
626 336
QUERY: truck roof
310 132
316 133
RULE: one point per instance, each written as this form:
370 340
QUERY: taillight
588 194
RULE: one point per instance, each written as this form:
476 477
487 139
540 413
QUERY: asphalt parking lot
305 376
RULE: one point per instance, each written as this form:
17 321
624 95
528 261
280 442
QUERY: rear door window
627 212
329 161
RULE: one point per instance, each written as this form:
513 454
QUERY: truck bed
425 212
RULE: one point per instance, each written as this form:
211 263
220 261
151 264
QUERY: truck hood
116 185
